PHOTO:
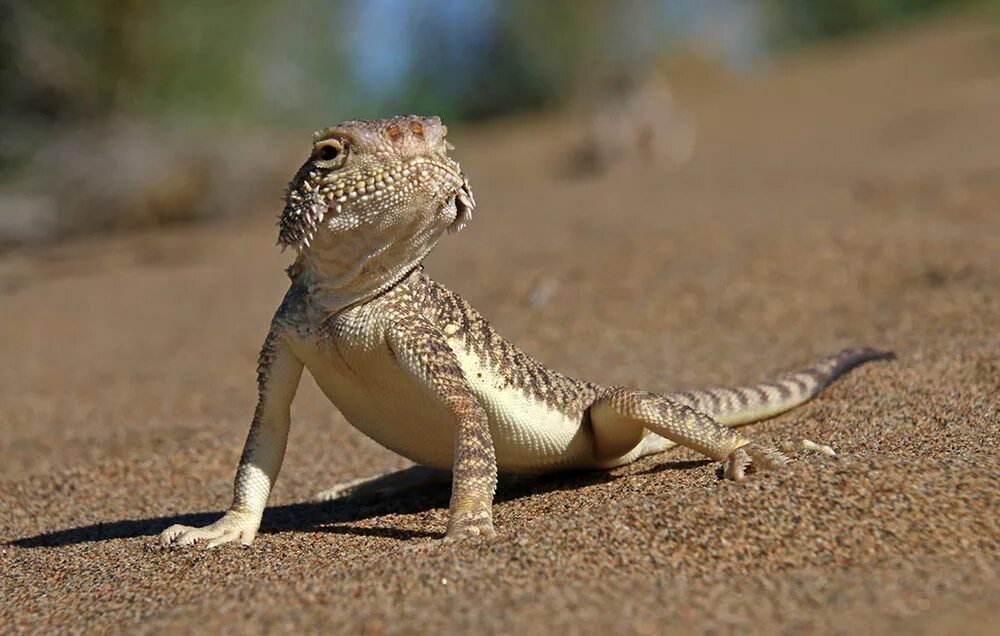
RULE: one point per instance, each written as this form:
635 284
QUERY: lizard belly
388 405
529 435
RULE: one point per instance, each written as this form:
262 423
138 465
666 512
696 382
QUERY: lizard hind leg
621 417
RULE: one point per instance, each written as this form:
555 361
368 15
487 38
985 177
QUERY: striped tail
733 406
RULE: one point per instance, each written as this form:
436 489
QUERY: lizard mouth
465 203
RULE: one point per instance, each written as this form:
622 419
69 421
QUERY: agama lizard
416 368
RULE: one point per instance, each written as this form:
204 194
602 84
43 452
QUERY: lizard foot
760 457
470 527
233 526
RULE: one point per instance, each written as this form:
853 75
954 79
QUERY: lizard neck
363 259
331 294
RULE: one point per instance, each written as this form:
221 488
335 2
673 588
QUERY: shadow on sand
339 516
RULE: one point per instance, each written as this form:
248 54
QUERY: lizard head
374 197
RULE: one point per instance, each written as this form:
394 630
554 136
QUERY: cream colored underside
755 415
387 404
528 434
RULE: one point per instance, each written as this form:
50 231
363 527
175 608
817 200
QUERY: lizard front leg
278 374
422 350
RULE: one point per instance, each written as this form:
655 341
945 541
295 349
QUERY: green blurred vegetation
801 21
310 62
163 111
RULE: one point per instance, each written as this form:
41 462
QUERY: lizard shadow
340 516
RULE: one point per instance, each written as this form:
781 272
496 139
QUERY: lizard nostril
394 132
417 128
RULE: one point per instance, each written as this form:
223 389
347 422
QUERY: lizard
414 367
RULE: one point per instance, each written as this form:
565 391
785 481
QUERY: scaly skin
416 368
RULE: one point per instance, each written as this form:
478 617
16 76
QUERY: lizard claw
471 532
736 465
233 526
759 457
822 449
809 446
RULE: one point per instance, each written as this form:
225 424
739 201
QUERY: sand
850 197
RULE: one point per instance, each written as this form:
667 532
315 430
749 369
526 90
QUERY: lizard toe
231 527
736 465
471 528
755 456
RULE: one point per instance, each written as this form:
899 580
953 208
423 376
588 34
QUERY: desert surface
849 196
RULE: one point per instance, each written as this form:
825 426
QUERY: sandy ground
851 197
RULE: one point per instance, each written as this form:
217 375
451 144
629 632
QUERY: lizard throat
360 283
300 220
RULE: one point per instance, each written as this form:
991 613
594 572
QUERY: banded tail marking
733 406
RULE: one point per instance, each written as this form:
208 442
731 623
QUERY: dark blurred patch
799 21
124 175
634 121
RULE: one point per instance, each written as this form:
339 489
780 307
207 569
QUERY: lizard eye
328 153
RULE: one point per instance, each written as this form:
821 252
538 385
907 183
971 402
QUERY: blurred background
118 114
671 194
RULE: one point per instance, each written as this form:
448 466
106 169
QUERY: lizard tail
733 406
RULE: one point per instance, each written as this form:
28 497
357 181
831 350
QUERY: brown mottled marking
422 349
760 393
782 390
